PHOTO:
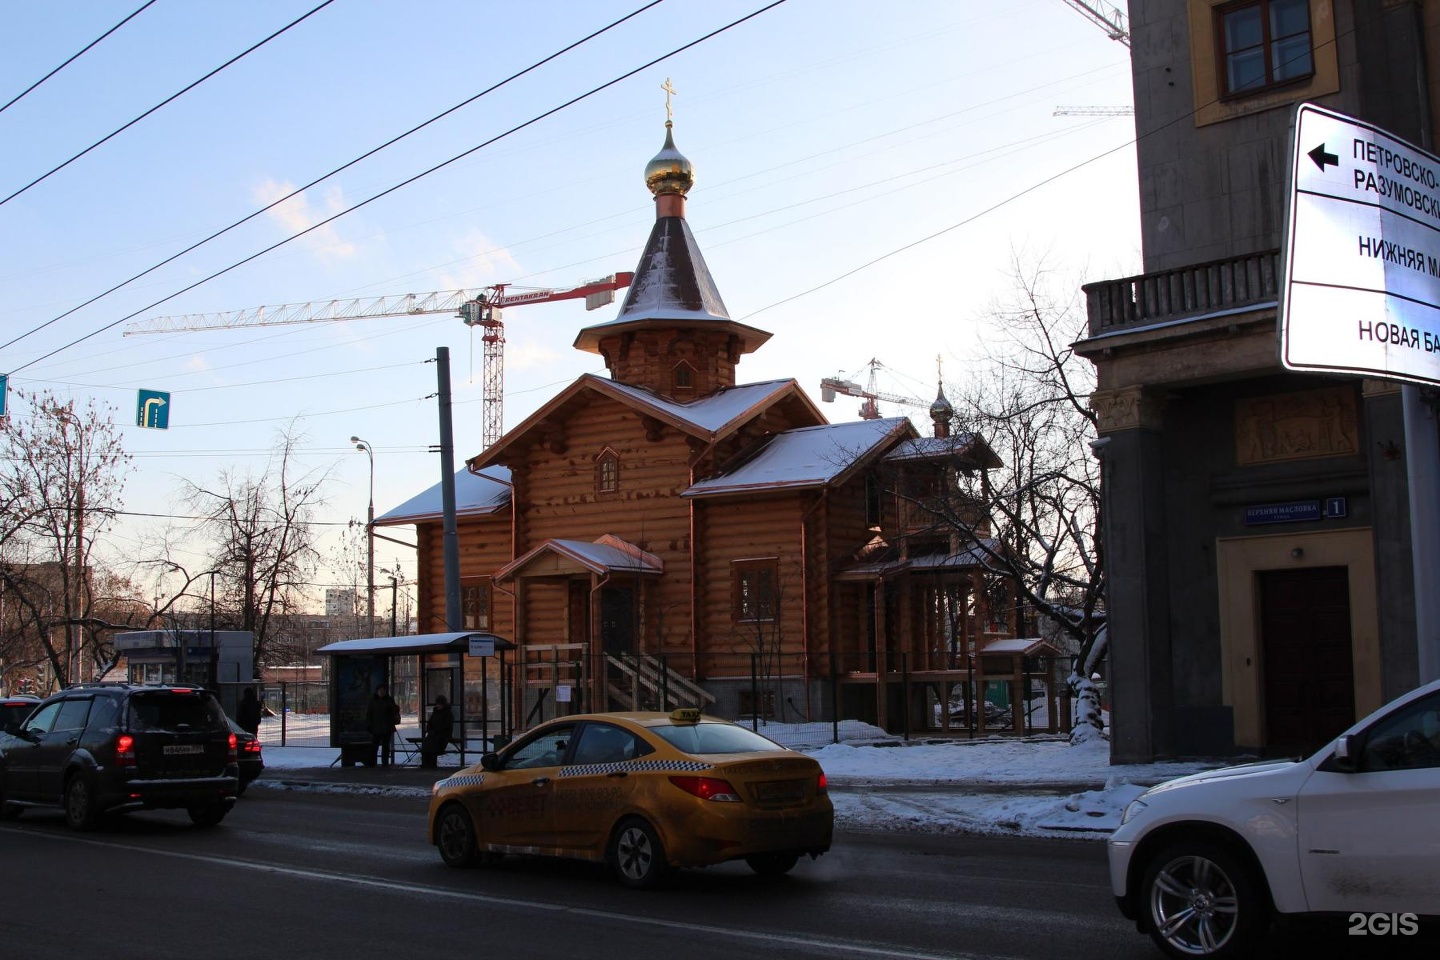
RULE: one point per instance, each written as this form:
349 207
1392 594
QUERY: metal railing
796 700
1219 285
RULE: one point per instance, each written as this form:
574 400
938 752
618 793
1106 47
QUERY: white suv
1203 863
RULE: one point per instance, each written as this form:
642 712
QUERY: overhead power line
323 177
76 56
405 183
169 99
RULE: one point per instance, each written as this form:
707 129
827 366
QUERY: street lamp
370 539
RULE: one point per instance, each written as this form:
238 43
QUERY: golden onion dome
669 172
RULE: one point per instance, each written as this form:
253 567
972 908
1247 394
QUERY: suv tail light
707 788
234 754
124 750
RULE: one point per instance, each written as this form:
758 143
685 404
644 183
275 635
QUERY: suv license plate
175 748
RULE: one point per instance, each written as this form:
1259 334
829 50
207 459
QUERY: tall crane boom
479 307
1104 16
830 387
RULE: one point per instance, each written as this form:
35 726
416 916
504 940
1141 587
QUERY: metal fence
796 700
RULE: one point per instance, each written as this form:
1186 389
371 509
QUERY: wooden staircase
642 682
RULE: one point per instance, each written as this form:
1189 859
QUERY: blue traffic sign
153 410
4 391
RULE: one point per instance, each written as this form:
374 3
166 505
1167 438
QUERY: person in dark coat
248 713
437 733
382 716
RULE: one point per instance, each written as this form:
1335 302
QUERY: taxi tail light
822 785
124 750
708 788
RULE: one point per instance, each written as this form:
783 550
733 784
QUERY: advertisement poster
356 678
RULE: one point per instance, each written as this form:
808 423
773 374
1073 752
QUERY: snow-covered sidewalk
1036 787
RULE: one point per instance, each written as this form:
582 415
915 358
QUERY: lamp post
370 539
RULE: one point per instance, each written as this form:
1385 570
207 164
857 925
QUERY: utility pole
447 494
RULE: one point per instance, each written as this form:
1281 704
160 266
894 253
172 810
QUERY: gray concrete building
1257 520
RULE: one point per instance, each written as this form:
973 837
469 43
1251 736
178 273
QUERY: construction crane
830 387
1104 16
476 308
1094 112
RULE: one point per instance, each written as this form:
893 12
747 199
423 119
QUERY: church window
756 591
682 377
475 604
607 472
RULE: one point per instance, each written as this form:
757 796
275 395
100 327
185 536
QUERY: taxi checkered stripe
589 769
473 780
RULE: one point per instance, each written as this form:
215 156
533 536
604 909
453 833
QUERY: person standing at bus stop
382 716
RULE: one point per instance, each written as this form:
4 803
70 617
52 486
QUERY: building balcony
1216 288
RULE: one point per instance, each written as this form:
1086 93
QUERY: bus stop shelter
468 667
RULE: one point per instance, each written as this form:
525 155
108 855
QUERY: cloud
482 261
297 214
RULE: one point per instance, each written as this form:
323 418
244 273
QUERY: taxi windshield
713 738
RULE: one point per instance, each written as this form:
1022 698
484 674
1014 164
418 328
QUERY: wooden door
1309 680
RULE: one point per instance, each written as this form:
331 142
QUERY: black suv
95 749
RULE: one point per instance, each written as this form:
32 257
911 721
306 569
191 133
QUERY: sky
865 177
998 785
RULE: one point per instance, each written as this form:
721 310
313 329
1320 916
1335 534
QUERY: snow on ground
1037 786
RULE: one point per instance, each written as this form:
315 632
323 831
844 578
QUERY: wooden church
668 536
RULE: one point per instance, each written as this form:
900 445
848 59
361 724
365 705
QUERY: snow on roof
711 413
476 495
805 457
606 554
1024 646
416 643
962 445
975 555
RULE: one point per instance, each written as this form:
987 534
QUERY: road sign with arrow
1362 269
152 410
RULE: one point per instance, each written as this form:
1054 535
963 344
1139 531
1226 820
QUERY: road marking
392 886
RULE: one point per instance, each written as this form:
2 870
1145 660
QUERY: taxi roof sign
686 715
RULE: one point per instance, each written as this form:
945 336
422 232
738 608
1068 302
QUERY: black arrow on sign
1321 157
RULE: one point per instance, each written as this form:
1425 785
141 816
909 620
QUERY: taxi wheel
636 855
455 837
772 864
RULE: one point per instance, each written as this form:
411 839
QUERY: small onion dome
941 409
670 172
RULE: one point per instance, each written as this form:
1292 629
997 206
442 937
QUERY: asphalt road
323 876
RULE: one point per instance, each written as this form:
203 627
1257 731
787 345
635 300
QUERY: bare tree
1029 399
62 471
262 542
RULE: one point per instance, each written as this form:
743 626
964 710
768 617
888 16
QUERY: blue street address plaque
1283 512
153 410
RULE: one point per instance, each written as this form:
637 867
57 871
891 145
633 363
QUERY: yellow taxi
644 792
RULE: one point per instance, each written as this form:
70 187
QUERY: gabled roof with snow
805 457
608 554
976 555
962 446
1022 646
708 418
476 495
